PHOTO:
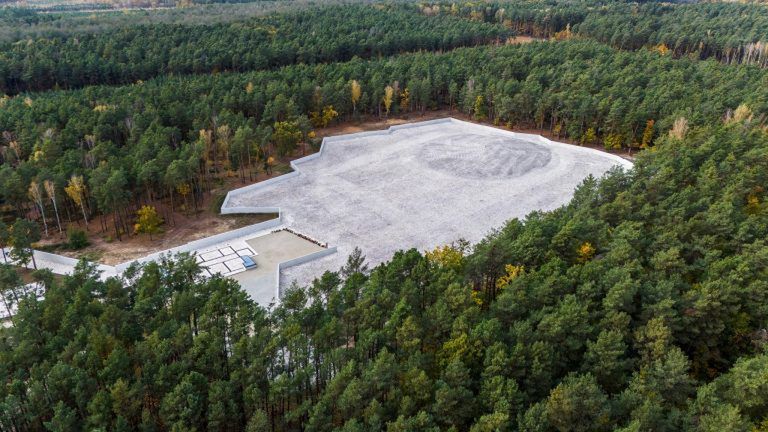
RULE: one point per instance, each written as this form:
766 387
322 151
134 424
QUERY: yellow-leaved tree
405 100
742 114
37 197
446 256
585 252
75 190
512 273
613 141
50 190
184 189
679 128
662 49
647 134
478 109
147 221
355 94
328 115
589 137
389 93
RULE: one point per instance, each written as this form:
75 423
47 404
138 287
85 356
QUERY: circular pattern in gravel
476 156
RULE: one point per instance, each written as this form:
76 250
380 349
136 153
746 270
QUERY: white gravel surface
421 186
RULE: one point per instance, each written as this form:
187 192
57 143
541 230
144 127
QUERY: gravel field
421 186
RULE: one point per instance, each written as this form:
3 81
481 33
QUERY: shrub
76 238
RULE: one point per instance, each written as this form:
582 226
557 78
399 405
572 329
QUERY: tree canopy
660 325
640 305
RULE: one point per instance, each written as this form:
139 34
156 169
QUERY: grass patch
27 275
246 219
282 168
216 202
93 256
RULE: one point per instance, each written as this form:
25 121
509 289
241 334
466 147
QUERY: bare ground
107 250
182 228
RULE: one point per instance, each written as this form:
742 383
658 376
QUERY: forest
172 137
640 305
119 53
21 23
140 52
728 31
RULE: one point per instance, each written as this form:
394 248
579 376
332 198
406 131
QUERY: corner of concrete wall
300 260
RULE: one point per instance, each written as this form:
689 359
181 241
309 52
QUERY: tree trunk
117 227
56 210
82 207
42 213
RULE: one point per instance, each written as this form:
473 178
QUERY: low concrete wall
251 210
297 261
624 162
54 258
295 163
66 262
59 263
206 242
543 140
63 264
255 186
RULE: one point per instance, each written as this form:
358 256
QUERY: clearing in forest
419 185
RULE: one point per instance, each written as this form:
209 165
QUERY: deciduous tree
147 221
76 191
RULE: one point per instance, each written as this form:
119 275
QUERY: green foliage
125 54
286 135
76 239
147 221
578 404
161 149
640 305
23 234
5 238
661 329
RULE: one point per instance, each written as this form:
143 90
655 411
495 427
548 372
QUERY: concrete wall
297 261
43 257
296 166
59 263
64 265
225 209
206 242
